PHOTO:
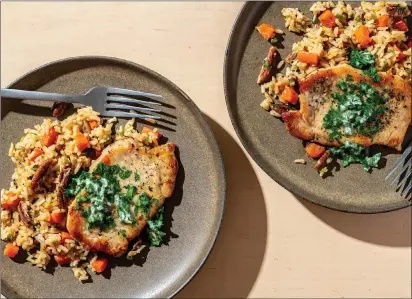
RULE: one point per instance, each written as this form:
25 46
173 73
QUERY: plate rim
7 292
231 43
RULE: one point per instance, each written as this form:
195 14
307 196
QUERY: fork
104 100
404 177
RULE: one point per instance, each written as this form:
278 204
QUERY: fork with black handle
105 100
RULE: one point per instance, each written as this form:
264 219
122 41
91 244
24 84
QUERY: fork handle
37 95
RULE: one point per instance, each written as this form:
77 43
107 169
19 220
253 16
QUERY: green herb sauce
154 228
357 110
102 190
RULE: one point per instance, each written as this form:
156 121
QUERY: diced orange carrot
266 31
93 124
11 201
11 250
81 141
315 150
106 160
65 236
157 135
49 138
57 217
99 264
62 260
382 21
289 95
306 57
401 25
37 152
327 18
362 36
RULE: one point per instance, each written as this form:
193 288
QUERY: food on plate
81 186
347 81
145 176
341 104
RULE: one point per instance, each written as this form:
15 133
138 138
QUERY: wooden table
271 244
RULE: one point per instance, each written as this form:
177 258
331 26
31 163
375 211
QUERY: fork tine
404 168
130 114
400 160
134 101
132 93
407 190
128 107
405 178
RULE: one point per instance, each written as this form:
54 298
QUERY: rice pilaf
29 207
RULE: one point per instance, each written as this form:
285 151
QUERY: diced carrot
382 21
57 217
327 18
62 260
11 201
50 137
401 25
266 31
99 264
93 124
362 36
306 57
289 95
65 236
106 160
81 141
157 135
37 152
11 250
315 150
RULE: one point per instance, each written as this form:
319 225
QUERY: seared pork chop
316 100
153 173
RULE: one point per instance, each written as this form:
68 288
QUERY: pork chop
316 100
153 173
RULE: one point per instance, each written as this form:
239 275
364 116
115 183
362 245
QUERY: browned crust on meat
299 123
41 171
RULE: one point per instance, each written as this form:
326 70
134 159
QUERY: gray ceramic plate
193 214
265 137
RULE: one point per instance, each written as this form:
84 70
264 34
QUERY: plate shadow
387 229
234 263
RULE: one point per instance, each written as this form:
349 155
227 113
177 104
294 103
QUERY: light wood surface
271 244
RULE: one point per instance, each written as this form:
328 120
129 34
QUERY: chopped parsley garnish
103 191
154 227
354 153
365 60
357 110
125 174
361 59
144 203
266 63
136 176
315 19
373 73
123 233
273 40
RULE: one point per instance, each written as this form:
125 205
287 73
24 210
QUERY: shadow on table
234 263
387 229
